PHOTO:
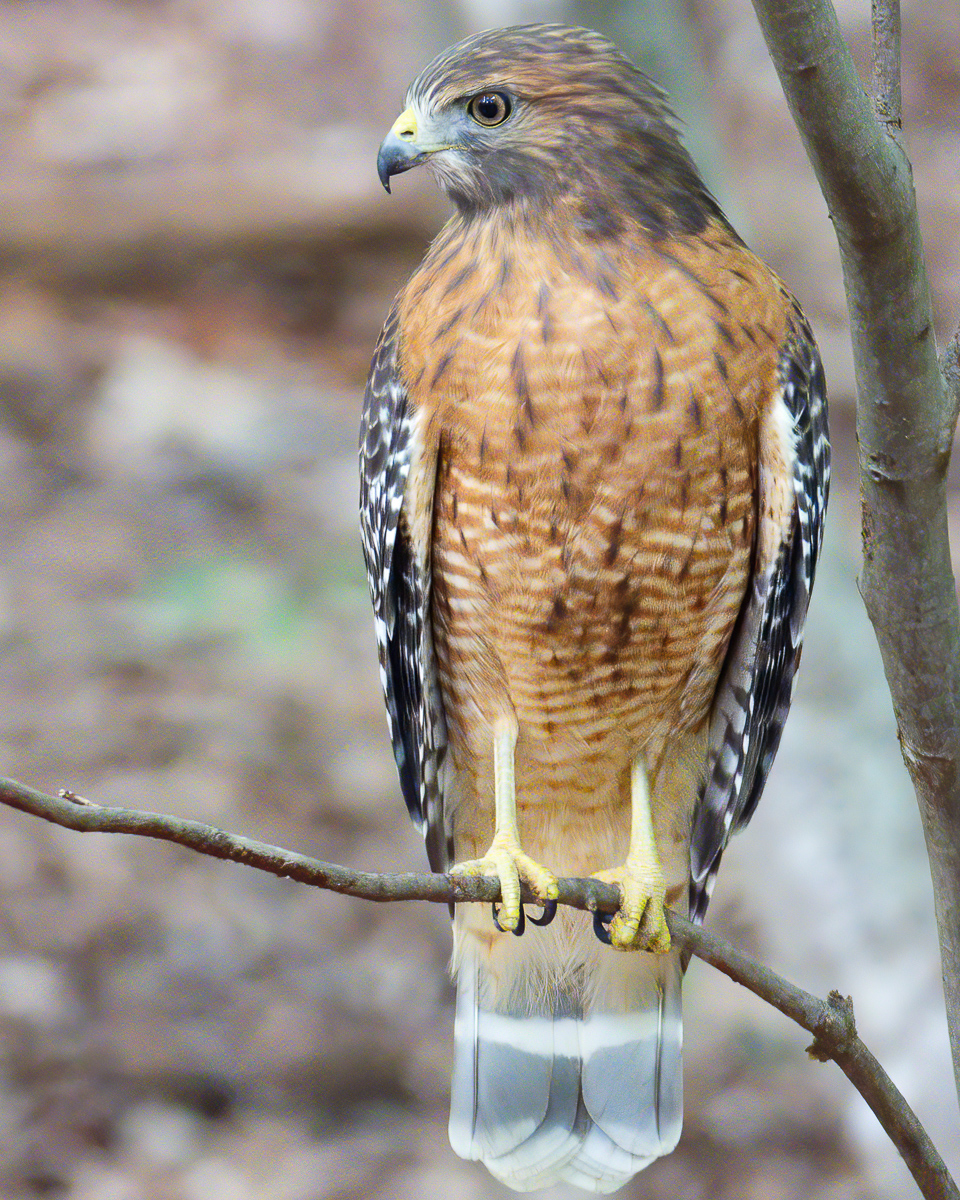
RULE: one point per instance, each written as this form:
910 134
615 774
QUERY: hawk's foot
506 862
640 923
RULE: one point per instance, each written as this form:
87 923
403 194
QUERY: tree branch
831 1021
950 369
887 98
905 417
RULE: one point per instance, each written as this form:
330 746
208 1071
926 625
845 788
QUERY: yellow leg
505 859
641 923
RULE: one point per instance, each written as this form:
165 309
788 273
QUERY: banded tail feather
575 1074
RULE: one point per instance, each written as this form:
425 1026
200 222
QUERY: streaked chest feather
593 421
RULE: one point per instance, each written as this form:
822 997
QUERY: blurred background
195 259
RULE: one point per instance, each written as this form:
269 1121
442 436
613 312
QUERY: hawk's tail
569 1070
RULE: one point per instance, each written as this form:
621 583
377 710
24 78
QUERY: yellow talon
505 860
640 923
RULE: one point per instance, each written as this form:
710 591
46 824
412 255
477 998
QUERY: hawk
594 466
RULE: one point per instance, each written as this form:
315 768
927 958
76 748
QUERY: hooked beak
399 150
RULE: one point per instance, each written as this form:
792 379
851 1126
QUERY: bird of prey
594 467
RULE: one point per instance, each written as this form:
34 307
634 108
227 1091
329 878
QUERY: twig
950 369
830 1021
887 97
835 1037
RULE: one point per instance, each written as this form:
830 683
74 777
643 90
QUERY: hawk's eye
489 108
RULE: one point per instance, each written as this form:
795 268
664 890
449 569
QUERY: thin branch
950 370
830 1021
906 415
887 97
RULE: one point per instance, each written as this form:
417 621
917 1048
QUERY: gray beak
395 157
399 150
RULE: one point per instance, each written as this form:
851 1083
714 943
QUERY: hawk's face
535 112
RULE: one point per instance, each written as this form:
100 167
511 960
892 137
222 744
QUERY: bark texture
906 413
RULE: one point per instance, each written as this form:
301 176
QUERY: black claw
549 912
601 926
521 924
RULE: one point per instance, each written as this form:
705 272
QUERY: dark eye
489 108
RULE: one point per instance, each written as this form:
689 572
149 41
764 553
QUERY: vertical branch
906 414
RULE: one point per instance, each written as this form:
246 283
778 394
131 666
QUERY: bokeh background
195 258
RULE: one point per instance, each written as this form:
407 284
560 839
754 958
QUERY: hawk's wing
398 574
756 686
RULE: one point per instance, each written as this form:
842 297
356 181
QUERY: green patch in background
239 600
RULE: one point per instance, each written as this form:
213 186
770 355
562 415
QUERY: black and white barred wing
756 687
396 499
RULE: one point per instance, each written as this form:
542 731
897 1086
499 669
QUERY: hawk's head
536 112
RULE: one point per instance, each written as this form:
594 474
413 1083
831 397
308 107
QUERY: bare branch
950 369
887 98
835 1037
905 422
830 1021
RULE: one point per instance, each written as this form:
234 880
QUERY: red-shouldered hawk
594 467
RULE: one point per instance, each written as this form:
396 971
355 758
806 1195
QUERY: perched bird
594 466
